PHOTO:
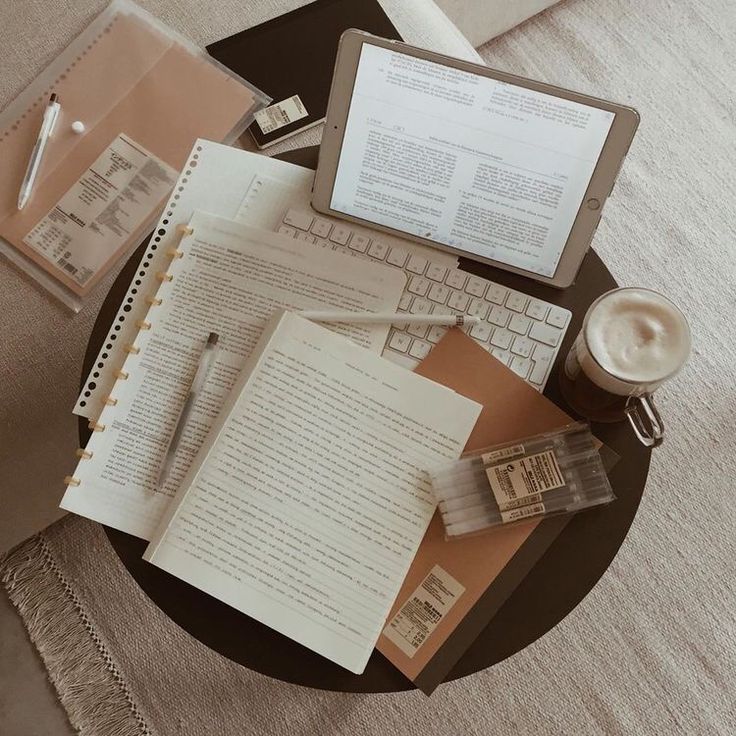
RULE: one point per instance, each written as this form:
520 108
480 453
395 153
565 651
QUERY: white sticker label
422 613
108 203
522 513
494 456
527 476
279 114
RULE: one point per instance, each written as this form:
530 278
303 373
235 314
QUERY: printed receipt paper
230 279
447 580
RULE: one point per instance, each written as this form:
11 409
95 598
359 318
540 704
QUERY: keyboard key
520 366
359 243
286 230
478 308
458 301
405 302
397 257
496 294
299 220
378 250
400 341
438 293
321 228
416 264
537 310
418 285
503 355
418 330
543 358
307 237
420 306
340 234
403 326
539 371
520 324
522 346
456 279
542 333
557 317
481 331
435 272
420 349
476 287
498 316
443 309
436 333
516 302
502 339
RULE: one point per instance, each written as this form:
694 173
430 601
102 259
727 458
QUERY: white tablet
484 164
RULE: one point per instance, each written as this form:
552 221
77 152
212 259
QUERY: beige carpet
652 650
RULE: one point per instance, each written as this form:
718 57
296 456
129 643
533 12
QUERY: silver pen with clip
206 361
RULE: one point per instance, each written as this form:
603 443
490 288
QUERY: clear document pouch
553 473
144 95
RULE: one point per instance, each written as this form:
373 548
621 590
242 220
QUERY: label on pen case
522 513
423 611
280 114
98 214
495 456
523 478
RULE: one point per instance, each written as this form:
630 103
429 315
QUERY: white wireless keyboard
521 331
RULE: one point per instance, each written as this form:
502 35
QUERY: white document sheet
305 507
230 280
224 181
488 167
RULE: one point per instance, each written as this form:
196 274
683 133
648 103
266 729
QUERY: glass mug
631 342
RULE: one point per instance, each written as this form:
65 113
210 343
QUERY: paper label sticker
495 456
97 215
522 513
280 114
423 611
527 476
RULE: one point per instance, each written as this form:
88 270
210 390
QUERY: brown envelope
489 566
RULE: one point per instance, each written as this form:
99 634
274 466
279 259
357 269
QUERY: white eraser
78 127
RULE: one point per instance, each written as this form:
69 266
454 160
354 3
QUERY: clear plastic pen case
557 472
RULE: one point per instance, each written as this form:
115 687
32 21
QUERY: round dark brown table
556 584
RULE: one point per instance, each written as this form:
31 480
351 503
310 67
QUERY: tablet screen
487 167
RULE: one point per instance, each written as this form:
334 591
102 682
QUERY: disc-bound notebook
225 277
292 57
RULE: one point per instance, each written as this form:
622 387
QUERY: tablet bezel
599 188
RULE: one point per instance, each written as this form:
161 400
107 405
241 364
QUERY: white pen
50 117
206 361
382 318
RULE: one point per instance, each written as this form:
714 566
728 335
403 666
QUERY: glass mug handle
648 428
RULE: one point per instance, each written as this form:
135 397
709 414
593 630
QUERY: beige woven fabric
652 650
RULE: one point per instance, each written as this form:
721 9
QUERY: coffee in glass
632 341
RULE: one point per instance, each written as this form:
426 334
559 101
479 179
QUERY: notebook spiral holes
144 265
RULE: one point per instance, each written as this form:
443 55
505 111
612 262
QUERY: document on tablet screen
488 167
